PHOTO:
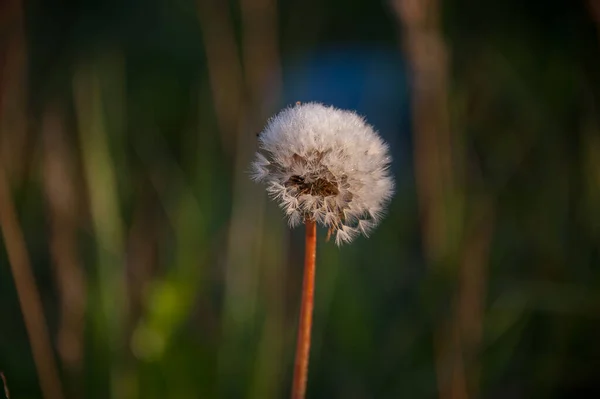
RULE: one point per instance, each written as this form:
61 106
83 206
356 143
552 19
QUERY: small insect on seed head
325 164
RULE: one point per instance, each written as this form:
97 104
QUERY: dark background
161 271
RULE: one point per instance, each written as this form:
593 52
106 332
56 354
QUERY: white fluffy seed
328 165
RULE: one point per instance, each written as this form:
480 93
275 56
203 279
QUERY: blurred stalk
263 81
472 288
242 265
5 385
239 91
269 370
29 297
427 55
439 169
246 222
260 55
14 138
224 67
102 192
63 208
12 144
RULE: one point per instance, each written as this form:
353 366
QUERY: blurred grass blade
108 227
29 297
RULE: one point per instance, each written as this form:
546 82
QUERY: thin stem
29 296
306 311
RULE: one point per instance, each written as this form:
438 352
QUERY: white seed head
325 164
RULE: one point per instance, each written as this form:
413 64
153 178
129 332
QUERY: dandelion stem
306 311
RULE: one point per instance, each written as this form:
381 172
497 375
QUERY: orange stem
306 311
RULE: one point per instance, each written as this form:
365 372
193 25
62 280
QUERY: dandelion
324 166
327 165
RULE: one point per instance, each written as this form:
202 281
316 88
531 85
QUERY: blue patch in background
371 81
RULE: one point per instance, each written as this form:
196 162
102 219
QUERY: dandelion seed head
328 165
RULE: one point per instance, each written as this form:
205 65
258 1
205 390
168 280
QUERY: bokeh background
138 260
